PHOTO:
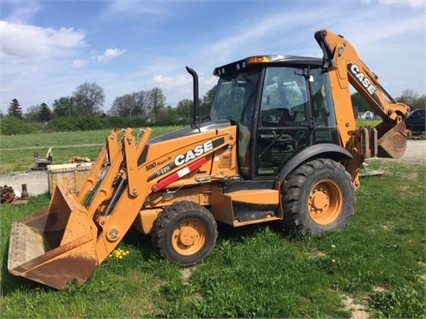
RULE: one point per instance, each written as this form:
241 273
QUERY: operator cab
281 105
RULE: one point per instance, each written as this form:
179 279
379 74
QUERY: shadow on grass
11 283
237 234
139 241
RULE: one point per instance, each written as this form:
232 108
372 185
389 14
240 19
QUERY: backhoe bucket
56 245
392 142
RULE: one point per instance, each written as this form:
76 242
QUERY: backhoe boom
341 58
336 48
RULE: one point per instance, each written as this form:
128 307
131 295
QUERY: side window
322 108
284 97
323 112
228 101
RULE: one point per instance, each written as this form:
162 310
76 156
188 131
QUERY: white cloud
135 7
170 81
79 63
32 59
178 87
109 55
25 42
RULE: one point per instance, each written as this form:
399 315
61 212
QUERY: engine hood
203 127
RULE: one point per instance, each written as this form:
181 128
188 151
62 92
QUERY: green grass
53 139
17 151
372 123
378 260
23 159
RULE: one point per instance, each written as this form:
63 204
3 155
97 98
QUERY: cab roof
262 60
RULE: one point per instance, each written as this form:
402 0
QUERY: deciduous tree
89 99
206 101
360 102
132 105
156 101
32 113
412 99
184 110
64 106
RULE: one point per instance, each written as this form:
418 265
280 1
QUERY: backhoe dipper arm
388 139
337 51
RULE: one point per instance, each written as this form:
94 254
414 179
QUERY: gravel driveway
37 181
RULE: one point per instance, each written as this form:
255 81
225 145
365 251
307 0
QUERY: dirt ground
37 181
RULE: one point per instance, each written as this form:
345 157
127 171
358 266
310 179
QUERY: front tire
185 233
318 197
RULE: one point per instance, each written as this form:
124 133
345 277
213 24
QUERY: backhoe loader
280 144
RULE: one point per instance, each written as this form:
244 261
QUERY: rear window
417 114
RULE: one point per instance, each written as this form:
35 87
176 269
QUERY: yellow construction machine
280 144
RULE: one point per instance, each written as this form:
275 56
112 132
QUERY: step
256 196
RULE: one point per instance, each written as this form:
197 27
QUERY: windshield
235 96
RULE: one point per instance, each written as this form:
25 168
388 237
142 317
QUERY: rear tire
185 233
317 197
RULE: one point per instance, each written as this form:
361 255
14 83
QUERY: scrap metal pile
10 195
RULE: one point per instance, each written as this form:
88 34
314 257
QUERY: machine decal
179 174
182 159
155 164
151 166
191 154
362 78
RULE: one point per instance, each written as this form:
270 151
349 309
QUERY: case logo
362 79
194 153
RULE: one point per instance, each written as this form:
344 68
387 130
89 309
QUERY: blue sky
49 48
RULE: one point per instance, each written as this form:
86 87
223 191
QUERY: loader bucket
392 142
56 245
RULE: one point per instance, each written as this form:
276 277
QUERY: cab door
295 112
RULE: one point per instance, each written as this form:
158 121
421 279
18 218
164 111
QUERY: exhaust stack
196 120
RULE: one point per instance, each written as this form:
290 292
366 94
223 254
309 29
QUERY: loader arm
70 238
122 188
77 232
388 139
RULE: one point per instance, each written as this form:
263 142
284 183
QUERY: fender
329 150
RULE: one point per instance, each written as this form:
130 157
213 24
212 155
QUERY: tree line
83 110
88 99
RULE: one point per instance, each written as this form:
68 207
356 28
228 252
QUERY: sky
49 48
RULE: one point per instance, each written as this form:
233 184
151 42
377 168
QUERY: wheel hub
188 236
325 202
320 200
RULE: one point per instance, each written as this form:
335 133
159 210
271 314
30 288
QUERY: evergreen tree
45 114
15 109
